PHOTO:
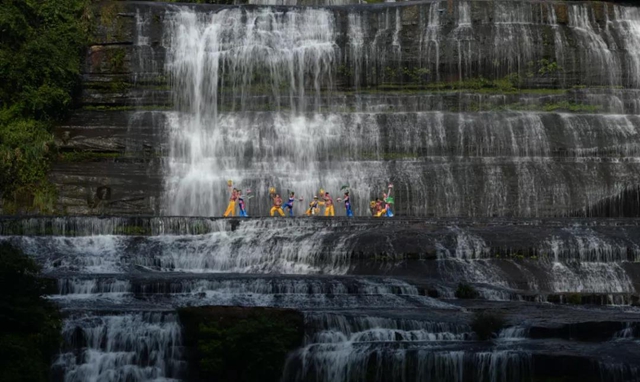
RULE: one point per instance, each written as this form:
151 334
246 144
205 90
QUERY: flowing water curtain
627 21
225 68
521 162
126 347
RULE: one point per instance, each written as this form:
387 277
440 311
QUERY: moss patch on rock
239 344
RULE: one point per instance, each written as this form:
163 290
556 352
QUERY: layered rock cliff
472 108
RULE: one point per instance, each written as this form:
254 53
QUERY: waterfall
239 290
597 57
259 101
349 362
430 41
129 347
510 130
225 59
335 328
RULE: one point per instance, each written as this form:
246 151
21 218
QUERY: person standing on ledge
289 203
241 205
347 203
328 205
314 208
388 201
373 208
378 208
231 208
277 203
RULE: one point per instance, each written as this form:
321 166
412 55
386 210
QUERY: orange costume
379 208
328 205
277 206
231 208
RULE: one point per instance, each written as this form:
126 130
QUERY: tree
30 325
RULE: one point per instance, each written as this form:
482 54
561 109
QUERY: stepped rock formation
471 108
509 129
378 296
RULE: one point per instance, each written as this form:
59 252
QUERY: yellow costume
275 209
328 206
328 211
277 202
231 209
313 208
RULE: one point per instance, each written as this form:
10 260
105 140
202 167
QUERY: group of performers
379 207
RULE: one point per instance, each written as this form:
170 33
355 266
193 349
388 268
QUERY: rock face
375 299
509 129
471 108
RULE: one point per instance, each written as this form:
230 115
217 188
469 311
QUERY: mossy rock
239 344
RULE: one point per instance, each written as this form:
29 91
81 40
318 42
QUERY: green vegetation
132 231
548 67
466 291
487 324
573 298
542 68
229 2
109 20
41 49
126 108
571 106
240 344
29 324
85 156
507 84
555 106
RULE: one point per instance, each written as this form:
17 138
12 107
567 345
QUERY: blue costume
289 205
387 207
243 210
347 205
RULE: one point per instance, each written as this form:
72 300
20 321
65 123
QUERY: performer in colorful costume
388 201
314 208
328 205
372 207
277 203
379 209
241 205
347 203
383 207
289 203
231 208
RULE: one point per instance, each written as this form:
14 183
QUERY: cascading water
258 102
129 347
425 95
225 59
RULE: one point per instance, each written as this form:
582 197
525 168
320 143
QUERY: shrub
466 291
487 324
29 324
573 298
240 344
41 50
